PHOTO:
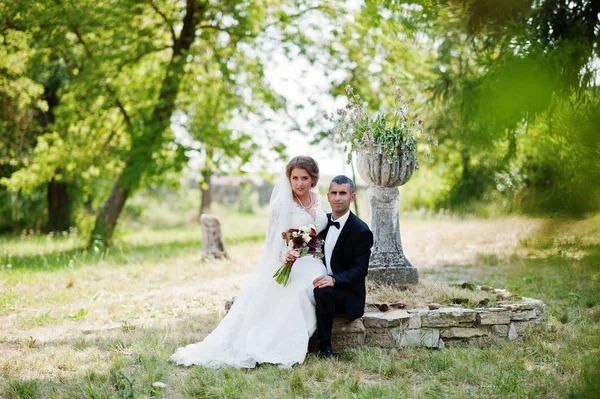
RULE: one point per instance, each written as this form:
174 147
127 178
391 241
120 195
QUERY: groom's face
340 197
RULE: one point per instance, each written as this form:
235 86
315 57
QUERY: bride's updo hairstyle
306 163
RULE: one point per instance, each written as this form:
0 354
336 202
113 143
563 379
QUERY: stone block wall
440 327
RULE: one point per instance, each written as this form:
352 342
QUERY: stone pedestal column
387 264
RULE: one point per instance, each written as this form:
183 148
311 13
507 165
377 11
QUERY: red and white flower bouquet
301 242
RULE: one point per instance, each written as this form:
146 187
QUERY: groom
348 243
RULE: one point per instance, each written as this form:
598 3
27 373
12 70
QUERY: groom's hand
323 281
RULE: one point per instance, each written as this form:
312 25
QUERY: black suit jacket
350 263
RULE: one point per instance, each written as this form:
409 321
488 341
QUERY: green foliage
23 389
22 212
89 93
490 75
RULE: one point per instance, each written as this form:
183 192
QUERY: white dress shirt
332 236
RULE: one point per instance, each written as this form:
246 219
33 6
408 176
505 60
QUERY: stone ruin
438 328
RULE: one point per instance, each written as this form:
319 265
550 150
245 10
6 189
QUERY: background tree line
90 90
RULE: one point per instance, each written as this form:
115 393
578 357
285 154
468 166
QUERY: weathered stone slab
348 339
343 334
523 315
539 307
379 337
512 332
541 315
421 312
489 317
414 321
522 326
393 318
347 333
516 307
396 335
343 326
489 309
425 337
535 302
464 333
500 330
448 317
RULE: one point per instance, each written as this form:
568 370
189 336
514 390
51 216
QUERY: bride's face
301 182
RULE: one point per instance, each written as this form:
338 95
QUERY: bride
270 323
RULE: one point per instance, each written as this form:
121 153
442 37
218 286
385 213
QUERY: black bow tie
332 223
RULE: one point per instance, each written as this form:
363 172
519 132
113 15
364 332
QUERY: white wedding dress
268 323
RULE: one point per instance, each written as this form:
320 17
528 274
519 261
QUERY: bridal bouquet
302 241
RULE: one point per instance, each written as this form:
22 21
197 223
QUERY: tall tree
126 63
74 68
145 143
238 23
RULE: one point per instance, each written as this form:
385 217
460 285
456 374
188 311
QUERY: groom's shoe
327 353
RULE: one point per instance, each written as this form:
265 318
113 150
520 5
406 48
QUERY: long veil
279 220
234 341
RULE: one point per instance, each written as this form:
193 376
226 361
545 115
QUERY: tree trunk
147 142
108 216
59 206
206 199
57 198
206 174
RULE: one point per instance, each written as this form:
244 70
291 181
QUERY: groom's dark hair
341 179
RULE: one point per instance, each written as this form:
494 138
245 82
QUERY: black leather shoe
327 353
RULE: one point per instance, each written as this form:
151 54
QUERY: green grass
151 293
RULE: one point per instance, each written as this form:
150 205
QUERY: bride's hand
292 255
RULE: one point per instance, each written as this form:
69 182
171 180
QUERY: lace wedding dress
268 323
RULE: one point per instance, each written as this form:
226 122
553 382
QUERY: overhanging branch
164 17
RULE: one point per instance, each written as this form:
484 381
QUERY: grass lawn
102 324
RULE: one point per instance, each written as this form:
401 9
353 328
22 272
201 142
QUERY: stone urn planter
387 264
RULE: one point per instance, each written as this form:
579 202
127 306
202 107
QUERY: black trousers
329 302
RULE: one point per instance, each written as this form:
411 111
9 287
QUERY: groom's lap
328 295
